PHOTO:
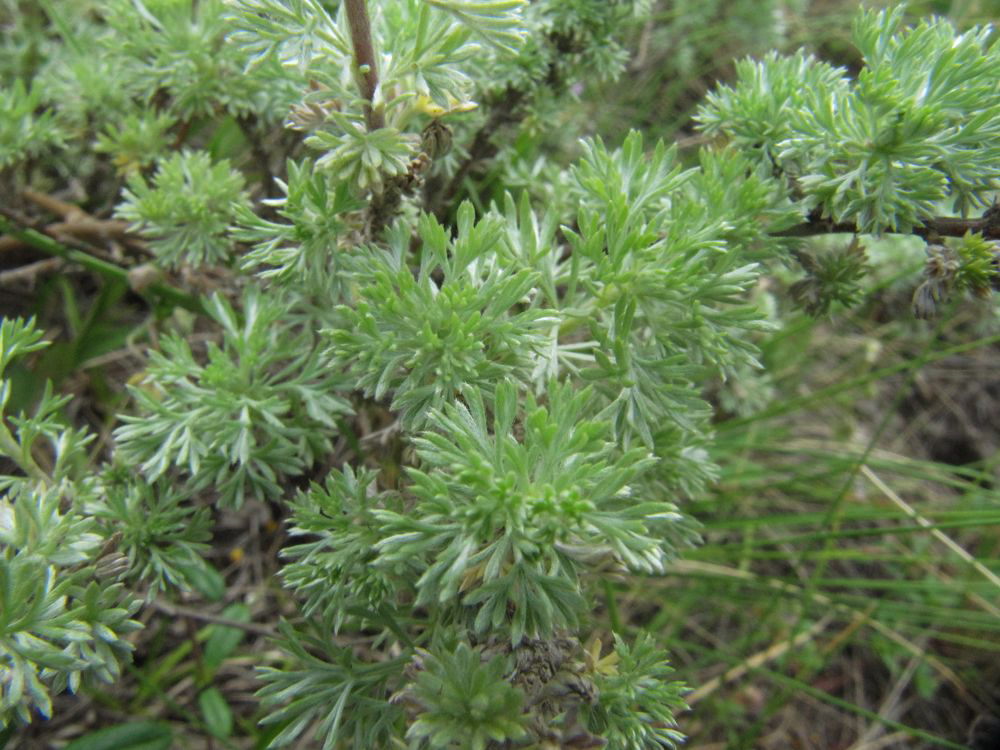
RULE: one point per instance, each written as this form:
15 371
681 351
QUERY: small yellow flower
607 665
427 106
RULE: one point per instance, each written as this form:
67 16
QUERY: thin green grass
896 555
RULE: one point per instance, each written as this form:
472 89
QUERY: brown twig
80 225
940 226
30 272
52 204
364 60
383 203
15 225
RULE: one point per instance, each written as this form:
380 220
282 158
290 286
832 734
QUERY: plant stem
364 60
46 244
383 203
942 226
12 449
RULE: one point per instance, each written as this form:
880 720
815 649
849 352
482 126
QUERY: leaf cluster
638 698
61 624
664 281
24 132
466 703
161 537
886 149
333 565
462 323
186 209
325 687
258 408
179 51
306 250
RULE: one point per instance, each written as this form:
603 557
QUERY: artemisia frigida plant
541 356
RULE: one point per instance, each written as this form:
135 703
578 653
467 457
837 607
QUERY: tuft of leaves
458 326
23 130
465 701
832 278
324 688
506 528
261 407
639 698
334 566
160 536
883 150
306 252
186 209
63 622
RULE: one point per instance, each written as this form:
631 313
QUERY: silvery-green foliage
663 276
522 488
357 156
186 209
459 326
180 49
44 428
586 34
138 140
503 538
62 624
61 64
108 59
332 565
253 410
298 34
327 688
756 113
22 131
636 687
60 627
307 249
917 127
426 52
496 22
466 701
503 523
161 536
434 57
